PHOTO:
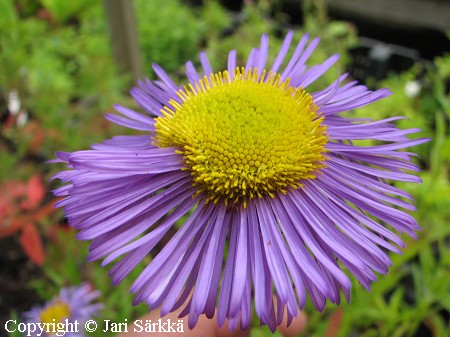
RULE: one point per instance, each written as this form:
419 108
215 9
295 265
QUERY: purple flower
71 309
260 177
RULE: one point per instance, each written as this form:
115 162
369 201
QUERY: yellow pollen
244 137
55 313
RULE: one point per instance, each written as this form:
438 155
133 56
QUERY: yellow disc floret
244 137
55 313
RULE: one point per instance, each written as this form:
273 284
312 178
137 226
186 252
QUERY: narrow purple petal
146 102
191 73
315 72
207 70
231 63
208 267
251 60
165 78
240 274
263 53
298 51
283 51
227 281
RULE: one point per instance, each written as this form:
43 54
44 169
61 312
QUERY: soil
16 271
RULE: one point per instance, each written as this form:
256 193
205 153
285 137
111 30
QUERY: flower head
272 195
72 304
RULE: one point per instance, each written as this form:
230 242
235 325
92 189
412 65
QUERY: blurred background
63 64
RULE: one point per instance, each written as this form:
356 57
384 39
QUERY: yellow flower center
55 313
246 137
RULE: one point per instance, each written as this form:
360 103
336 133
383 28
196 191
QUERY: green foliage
214 19
64 76
65 10
264 332
169 33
